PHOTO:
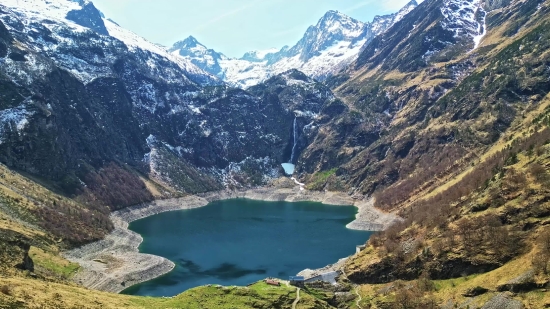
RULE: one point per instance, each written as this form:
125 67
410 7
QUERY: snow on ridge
404 11
260 54
45 9
52 14
482 31
134 41
335 41
39 10
336 22
460 18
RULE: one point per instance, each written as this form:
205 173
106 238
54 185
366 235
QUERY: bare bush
5 289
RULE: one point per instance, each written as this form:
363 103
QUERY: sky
234 27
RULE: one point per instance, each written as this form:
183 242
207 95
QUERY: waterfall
294 129
289 167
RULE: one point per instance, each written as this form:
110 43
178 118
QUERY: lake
239 241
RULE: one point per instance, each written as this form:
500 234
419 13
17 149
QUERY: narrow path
359 299
297 298
356 288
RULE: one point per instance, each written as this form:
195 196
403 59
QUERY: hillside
451 134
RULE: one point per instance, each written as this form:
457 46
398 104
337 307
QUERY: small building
272 282
297 280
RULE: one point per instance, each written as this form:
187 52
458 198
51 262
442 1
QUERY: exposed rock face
88 17
490 5
523 283
77 100
503 301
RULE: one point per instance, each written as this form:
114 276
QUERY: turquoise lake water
237 242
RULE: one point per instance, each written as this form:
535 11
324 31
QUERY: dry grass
517 131
53 263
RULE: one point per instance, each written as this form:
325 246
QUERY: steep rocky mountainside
448 127
331 44
77 100
428 96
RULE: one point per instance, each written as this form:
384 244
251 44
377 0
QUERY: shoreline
114 263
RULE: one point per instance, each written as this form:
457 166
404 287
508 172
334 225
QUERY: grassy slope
384 295
516 210
28 293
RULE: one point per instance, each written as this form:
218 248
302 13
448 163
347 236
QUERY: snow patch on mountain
134 41
259 55
55 10
14 120
50 33
465 18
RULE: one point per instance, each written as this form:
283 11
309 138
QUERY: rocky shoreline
114 263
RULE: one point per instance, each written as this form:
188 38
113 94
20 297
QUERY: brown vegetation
439 228
110 188
4 289
115 187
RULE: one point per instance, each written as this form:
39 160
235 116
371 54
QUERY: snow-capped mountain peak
259 55
336 22
334 41
188 43
405 10
333 27
198 54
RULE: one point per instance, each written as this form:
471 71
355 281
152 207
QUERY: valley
432 121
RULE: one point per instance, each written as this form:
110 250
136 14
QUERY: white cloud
395 5
216 19
388 6
357 6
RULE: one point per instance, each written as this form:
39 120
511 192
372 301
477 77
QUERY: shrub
5 289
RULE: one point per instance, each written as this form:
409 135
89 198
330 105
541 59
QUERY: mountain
333 42
443 119
90 100
199 55
447 126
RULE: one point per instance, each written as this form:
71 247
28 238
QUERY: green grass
319 179
31 293
259 295
452 283
53 263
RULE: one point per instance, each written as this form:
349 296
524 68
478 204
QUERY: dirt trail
297 298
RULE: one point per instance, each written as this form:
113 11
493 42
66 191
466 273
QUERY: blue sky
234 27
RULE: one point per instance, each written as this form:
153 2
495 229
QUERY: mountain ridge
331 44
